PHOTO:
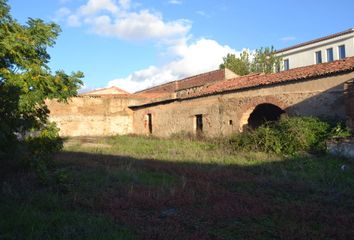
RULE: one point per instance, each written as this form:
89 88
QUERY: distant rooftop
105 91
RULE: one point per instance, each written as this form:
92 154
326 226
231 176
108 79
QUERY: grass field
144 188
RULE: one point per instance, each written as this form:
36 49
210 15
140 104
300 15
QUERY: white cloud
202 13
142 25
84 88
183 56
61 14
113 18
287 39
200 56
94 6
73 21
125 4
144 78
190 59
175 1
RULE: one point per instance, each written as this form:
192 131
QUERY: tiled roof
256 80
189 82
152 95
259 80
351 30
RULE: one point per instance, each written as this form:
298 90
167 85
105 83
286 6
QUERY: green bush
287 136
38 148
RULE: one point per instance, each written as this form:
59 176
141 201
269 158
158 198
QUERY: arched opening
263 113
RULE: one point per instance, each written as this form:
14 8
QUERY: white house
326 49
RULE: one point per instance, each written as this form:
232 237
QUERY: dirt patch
89 142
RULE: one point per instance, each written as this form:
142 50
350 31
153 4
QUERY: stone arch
260 111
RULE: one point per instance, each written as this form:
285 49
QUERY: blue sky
134 44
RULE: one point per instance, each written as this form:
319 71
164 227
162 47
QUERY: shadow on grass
298 198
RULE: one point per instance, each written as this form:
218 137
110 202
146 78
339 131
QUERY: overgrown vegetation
26 82
133 187
289 136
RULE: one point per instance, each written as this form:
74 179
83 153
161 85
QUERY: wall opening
149 118
199 123
263 113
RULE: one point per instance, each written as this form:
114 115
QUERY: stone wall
349 98
226 113
93 116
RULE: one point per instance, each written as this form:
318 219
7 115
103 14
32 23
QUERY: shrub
37 149
287 136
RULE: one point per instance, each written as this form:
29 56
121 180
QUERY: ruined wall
93 116
226 113
349 103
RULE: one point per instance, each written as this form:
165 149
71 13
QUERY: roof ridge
181 80
104 88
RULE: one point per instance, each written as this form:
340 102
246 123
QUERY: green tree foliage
26 81
263 60
239 65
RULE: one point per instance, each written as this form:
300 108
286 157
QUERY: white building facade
326 49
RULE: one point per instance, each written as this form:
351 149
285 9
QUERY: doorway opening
199 124
263 113
149 118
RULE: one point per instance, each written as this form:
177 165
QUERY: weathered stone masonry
93 116
221 106
224 114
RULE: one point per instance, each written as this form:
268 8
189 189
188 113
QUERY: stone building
215 103
106 111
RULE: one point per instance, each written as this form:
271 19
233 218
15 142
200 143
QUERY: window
286 64
330 55
199 123
341 51
149 118
318 56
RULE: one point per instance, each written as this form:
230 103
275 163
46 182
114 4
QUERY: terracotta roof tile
256 80
151 95
194 81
